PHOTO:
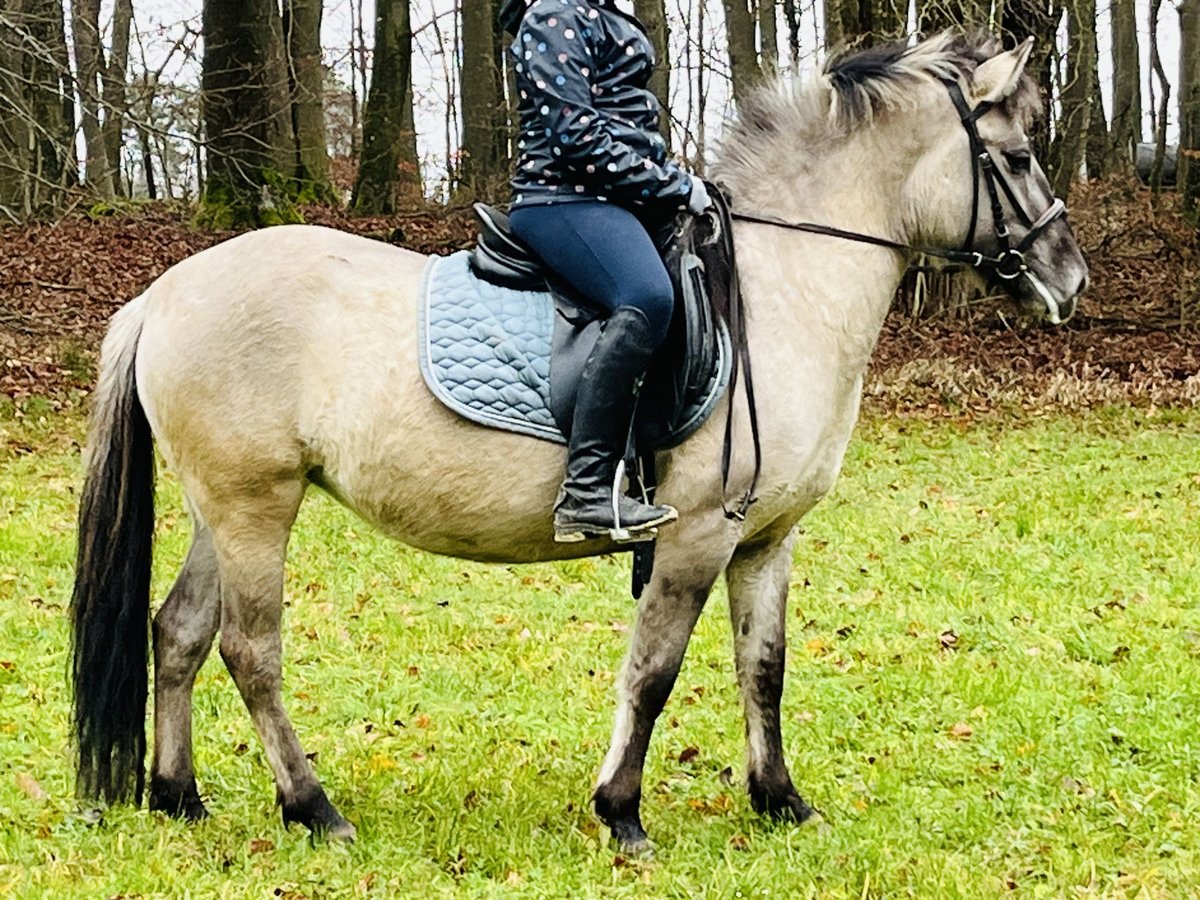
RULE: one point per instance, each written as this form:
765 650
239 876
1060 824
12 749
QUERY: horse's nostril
1084 280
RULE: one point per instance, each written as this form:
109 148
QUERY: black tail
110 607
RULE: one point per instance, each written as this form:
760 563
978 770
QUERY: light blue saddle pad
485 352
485 349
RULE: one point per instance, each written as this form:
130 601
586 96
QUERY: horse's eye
1018 161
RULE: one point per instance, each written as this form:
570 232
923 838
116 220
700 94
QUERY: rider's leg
604 252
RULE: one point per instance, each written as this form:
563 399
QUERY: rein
1009 263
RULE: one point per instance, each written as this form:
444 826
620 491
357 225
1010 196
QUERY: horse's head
987 191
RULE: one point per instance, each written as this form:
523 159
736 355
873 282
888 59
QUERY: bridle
1009 263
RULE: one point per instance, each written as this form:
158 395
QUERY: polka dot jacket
589 127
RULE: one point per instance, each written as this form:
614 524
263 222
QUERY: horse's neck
815 299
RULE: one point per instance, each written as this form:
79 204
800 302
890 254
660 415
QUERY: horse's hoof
343 832
640 849
314 811
816 823
631 839
179 801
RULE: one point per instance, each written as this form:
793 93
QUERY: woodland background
136 132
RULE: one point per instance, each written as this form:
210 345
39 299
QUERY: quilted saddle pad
485 349
485 352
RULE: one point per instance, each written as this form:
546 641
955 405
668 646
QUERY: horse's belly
439 483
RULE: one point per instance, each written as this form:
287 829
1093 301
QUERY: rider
592 176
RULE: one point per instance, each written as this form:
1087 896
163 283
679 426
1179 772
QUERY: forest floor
1135 340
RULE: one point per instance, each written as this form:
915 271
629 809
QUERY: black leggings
604 252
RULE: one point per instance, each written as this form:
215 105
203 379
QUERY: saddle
693 362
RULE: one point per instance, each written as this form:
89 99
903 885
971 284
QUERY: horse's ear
997 78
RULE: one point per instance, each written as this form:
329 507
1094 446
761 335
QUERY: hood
513 11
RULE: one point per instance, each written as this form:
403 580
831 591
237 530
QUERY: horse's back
247 345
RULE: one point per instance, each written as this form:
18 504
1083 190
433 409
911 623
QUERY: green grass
992 687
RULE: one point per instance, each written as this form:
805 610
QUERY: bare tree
653 14
936 15
247 121
115 94
1189 109
792 17
383 122
483 163
37 160
1160 118
1127 96
864 22
89 64
768 36
743 54
1098 147
1067 151
306 78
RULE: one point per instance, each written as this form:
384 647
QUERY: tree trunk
936 15
1071 134
37 158
1164 103
1098 151
115 90
792 19
744 70
89 63
306 79
409 184
383 121
1127 95
1039 20
1189 109
768 36
864 22
835 33
250 153
653 14
481 171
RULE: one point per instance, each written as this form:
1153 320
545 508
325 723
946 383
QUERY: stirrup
617 533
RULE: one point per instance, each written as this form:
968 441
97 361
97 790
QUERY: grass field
992 687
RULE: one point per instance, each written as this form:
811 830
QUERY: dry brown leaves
1136 339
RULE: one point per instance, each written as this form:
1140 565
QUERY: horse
286 358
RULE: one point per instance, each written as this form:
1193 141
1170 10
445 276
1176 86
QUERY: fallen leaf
948 639
960 731
261 845
688 754
29 785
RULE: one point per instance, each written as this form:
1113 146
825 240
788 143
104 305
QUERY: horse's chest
807 460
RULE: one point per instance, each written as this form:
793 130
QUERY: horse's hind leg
665 620
251 542
183 636
758 588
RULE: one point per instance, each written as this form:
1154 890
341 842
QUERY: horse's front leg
758 588
685 570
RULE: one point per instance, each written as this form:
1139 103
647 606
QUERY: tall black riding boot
600 429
